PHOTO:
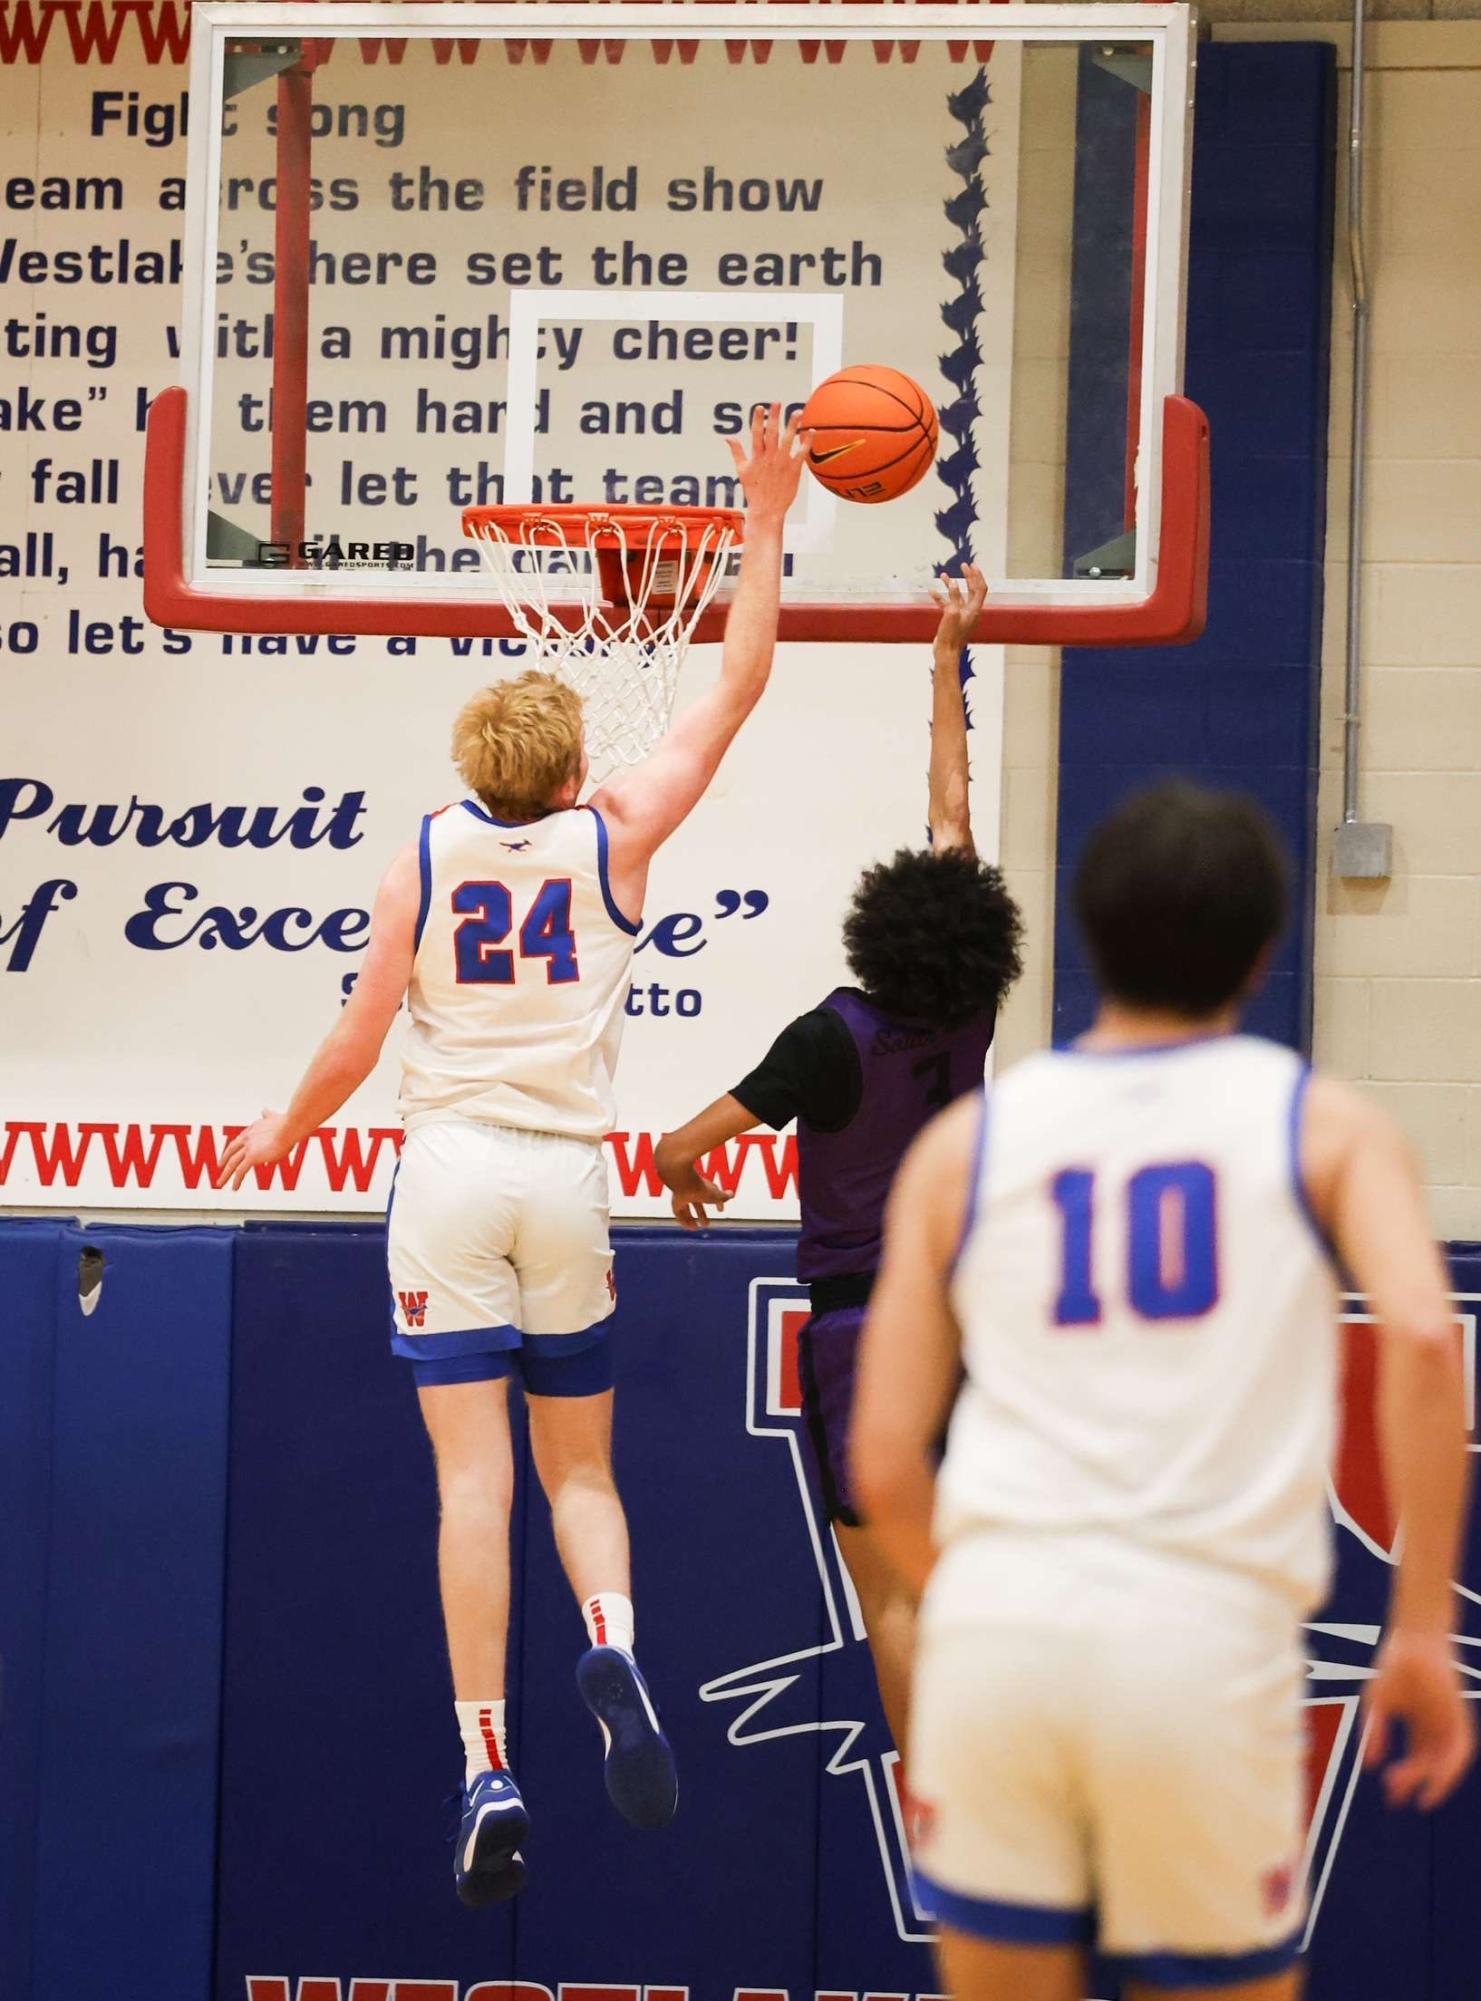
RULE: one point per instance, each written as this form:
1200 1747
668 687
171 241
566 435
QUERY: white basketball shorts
1110 1756
497 1242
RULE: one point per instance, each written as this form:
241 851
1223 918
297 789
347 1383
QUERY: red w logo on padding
414 1308
1343 1639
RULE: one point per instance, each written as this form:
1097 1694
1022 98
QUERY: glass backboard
449 255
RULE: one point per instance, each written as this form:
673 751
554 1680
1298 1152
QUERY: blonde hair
517 743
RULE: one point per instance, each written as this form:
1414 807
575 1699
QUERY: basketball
874 433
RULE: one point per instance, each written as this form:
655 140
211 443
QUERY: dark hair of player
1179 893
933 936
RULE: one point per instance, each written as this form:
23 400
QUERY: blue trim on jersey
390 1205
1150 1048
1298 1179
623 923
424 864
482 813
974 1189
465 1369
568 1372
1293 1154
466 1341
1206 1969
1004 1923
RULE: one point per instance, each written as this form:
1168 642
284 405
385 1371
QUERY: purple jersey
908 1071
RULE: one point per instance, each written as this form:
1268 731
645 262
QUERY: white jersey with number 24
520 979
1148 1313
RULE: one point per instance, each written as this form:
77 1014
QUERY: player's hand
961 600
771 473
257 1145
1417 1684
694 1197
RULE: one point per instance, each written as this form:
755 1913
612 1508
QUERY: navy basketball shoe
488 1867
642 1778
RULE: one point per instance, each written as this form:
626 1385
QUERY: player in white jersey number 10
1123 1253
508 926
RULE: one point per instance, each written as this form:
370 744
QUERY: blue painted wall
1240 707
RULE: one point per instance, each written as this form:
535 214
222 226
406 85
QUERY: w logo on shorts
413 1308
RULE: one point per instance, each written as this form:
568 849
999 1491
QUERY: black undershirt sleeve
810 1072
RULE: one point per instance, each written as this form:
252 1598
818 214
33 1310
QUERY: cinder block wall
1031 684
1398 996
1398 965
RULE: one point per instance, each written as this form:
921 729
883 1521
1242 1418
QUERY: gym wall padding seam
123 1872
28 1263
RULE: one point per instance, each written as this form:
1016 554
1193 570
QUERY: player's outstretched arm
644 806
961 600
910 1357
678 1154
352 1047
1365 1185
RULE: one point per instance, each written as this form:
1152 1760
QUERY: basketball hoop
609 597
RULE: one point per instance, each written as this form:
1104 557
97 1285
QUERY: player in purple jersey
932 938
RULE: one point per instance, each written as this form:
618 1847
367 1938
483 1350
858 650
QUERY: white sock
609 1620
481 1726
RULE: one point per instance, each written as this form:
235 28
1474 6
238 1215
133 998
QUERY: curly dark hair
933 935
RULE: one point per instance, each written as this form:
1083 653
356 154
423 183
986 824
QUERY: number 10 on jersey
1169 1249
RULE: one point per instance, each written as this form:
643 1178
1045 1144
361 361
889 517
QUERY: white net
558 575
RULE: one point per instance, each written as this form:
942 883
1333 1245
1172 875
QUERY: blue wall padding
722 1579
337 1740
1240 707
1399 1915
333 1639
125 1862
28 1254
338 1737
1450 1922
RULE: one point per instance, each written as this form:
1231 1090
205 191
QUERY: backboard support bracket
1129 65
245 72
1116 558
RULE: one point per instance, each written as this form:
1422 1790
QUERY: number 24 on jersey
487 910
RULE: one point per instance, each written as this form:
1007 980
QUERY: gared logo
413 1308
612 1285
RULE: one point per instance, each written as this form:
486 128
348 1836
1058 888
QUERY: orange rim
579 524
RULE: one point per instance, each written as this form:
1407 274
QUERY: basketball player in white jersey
1128 1246
508 926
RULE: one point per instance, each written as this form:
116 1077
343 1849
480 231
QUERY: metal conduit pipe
1363 849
